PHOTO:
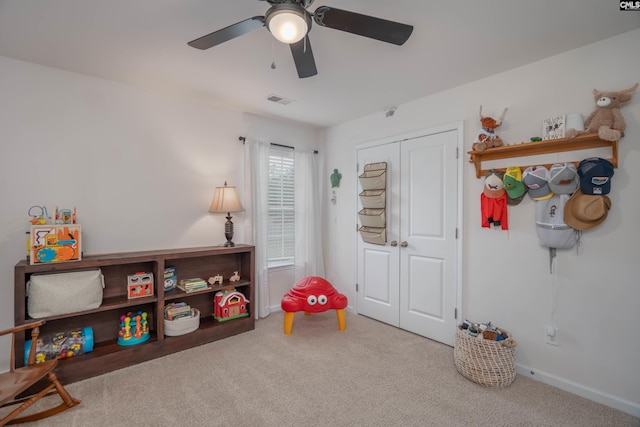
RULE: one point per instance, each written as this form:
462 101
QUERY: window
281 211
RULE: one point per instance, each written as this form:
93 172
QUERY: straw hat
585 211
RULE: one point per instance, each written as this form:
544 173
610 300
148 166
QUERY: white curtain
308 238
256 208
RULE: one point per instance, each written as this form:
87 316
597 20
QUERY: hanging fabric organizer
373 198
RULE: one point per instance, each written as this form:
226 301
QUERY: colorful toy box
50 243
139 285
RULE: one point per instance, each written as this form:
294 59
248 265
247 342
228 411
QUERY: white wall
140 168
506 276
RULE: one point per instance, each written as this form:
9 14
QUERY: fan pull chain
273 54
305 36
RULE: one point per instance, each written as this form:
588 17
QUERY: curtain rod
243 139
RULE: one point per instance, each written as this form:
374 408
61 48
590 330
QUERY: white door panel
378 269
422 171
414 285
378 298
428 224
425 296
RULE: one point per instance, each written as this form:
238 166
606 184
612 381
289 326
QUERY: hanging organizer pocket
372 217
373 198
374 176
377 236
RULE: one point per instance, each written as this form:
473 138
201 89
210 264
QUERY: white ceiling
144 43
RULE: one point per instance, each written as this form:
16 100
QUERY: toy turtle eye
312 300
322 300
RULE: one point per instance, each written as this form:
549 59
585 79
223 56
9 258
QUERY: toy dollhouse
229 305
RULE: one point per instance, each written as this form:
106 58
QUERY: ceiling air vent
279 99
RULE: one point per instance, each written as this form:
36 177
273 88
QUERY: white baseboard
632 408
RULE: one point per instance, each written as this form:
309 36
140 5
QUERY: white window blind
281 220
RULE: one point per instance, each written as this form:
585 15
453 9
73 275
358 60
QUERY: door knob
404 244
394 243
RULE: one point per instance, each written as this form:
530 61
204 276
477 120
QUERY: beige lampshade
226 199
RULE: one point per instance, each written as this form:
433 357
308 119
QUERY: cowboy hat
585 211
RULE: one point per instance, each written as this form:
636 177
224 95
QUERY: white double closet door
412 281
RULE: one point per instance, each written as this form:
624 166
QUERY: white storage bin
373 198
372 217
183 325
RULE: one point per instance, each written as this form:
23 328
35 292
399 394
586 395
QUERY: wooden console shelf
581 142
107 355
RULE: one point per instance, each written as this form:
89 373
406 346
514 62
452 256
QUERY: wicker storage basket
486 362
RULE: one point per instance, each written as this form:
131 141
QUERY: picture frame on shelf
553 127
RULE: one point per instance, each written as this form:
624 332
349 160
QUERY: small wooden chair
18 380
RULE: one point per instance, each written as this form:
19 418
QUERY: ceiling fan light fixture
288 23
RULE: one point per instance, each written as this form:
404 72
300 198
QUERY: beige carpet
371 374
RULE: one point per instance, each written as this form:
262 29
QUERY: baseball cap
536 178
513 185
493 185
563 178
595 176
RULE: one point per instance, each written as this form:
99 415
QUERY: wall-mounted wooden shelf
581 142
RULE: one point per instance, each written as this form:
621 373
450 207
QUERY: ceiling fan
290 22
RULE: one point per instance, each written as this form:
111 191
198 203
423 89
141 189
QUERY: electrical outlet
552 334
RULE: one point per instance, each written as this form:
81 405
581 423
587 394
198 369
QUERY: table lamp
225 199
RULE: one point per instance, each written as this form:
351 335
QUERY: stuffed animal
486 136
606 120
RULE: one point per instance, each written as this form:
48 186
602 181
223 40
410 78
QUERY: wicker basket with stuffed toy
485 361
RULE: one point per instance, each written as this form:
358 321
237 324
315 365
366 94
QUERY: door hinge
356 287
456 232
455 313
457 152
